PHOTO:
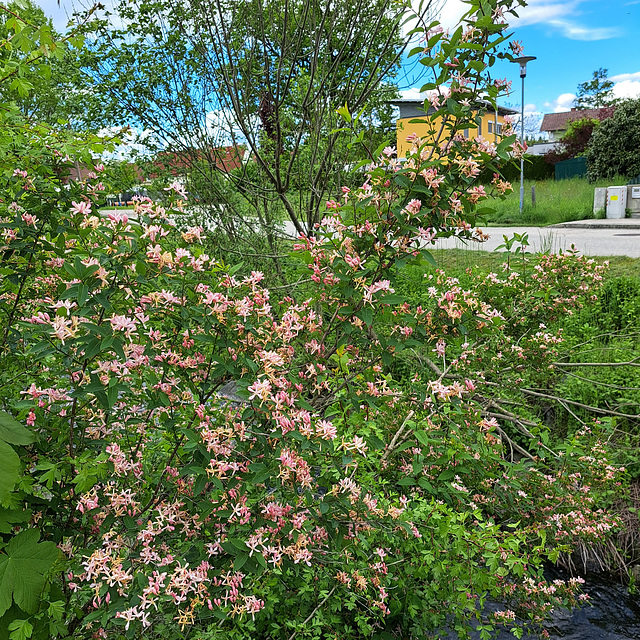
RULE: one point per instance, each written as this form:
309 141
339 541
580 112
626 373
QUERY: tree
267 74
596 93
614 146
575 140
46 84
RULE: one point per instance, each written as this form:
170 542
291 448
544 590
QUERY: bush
535 168
139 497
613 148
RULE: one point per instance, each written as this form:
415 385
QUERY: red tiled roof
560 121
225 158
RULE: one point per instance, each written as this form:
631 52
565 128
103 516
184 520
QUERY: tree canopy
265 74
595 93
45 82
613 148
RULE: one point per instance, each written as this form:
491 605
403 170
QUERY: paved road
590 237
609 238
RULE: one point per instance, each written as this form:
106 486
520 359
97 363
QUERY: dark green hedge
535 168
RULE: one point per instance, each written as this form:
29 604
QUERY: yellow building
490 127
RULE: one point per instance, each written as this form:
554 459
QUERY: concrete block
633 204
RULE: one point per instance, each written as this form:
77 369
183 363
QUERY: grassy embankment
556 202
605 332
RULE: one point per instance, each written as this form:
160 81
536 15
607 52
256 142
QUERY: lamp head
522 61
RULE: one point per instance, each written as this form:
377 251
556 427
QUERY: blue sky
570 38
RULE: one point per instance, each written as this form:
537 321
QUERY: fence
572 168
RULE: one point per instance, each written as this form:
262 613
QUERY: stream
613 614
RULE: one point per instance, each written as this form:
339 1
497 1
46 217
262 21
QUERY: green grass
561 201
456 261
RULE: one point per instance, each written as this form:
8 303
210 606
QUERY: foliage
575 140
596 93
606 332
535 168
613 149
43 80
215 459
265 75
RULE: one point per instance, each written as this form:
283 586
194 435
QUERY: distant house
556 124
490 126
224 159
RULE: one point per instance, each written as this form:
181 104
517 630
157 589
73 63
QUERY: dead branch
396 437
607 412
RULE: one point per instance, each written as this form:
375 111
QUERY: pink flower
260 389
326 430
178 188
118 217
123 323
414 206
83 208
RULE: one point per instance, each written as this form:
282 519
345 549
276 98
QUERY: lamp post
522 61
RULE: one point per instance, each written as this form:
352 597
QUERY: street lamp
522 61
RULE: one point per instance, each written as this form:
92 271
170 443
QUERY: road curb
595 225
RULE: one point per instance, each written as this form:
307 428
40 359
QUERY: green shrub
535 168
613 148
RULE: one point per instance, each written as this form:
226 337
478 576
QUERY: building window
495 128
466 134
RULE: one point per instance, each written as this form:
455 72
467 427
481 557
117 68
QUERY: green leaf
392 299
23 569
13 432
20 630
9 470
344 112
83 295
240 561
366 315
10 517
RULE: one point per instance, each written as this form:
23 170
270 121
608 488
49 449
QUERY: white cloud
451 13
223 130
563 102
412 94
447 12
530 108
627 88
539 11
624 77
561 16
574 31
62 11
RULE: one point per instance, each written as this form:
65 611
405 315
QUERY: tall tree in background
596 93
267 75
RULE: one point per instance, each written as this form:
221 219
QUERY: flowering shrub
319 497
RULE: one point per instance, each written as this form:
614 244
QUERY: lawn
456 261
556 202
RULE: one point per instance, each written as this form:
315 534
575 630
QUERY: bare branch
607 412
